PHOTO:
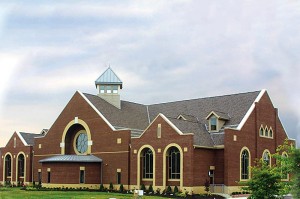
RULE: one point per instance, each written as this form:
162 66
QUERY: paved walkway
289 196
229 197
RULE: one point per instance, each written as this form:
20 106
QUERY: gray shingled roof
137 116
29 137
235 105
72 158
222 115
131 115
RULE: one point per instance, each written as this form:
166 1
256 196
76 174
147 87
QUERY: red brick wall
104 139
168 136
263 114
20 147
68 173
203 159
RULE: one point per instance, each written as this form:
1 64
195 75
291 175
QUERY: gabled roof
187 118
137 117
109 77
131 115
28 138
219 115
235 105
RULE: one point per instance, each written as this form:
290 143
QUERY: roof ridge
121 100
197 122
185 100
194 99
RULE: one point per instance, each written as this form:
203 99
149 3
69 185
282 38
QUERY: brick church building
100 139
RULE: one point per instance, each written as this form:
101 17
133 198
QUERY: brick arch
17 165
4 166
270 156
165 164
69 125
139 163
247 149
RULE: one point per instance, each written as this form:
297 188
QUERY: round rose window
81 142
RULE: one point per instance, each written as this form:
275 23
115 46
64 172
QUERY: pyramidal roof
109 77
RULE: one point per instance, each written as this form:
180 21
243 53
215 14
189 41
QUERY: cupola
108 86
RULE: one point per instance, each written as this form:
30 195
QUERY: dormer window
216 120
213 123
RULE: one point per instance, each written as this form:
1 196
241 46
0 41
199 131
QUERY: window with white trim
21 165
8 166
213 123
147 158
266 132
174 163
245 164
267 158
261 131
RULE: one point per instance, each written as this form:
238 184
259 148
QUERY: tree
265 182
295 170
290 165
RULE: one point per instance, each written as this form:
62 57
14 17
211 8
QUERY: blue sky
162 50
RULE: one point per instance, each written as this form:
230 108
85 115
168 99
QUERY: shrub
121 188
169 190
176 189
111 186
207 186
158 191
265 182
101 188
143 187
151 189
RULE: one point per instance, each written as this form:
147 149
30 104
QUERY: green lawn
7 193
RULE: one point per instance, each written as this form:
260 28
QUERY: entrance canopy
72 158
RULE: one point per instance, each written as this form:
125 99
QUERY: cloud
8 63
166 50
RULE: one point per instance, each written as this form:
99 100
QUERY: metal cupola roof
109 77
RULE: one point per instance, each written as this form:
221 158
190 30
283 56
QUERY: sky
162 51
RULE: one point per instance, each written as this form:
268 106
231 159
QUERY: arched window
245 164
267 158
174 163
8 166
21 165
271 133
147 161
261 131
266 132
